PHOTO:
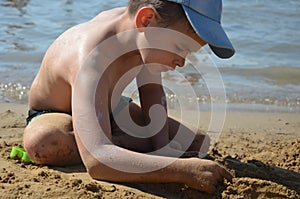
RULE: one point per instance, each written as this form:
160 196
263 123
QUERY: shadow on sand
252 169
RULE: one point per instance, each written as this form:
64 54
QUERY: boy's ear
144 18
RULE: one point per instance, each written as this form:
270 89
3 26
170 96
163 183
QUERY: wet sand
262 150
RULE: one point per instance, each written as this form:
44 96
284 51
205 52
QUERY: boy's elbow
95 169
98 170
93 174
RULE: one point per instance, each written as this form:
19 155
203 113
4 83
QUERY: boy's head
169 12
203 15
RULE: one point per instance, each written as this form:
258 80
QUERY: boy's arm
120 165
151 93
105 161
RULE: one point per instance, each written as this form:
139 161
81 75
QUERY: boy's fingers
226 174
211 189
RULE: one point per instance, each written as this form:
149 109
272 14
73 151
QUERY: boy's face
177 48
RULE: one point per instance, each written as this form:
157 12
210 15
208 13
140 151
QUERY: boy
63 102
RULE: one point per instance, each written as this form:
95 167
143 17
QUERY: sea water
264 74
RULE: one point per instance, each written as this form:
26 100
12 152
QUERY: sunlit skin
50 138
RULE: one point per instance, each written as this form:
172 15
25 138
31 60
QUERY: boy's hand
204 175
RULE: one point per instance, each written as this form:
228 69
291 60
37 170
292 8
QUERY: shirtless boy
52 137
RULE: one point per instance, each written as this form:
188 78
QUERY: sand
260 149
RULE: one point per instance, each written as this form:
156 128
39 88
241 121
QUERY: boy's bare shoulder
68 52
72 46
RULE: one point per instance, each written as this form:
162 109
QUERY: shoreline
260 149
236 100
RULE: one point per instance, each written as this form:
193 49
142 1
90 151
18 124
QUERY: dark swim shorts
124 101
35 113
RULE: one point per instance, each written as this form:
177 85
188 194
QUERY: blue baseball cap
205 18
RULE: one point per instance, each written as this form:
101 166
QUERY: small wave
21 57
14 93
278 75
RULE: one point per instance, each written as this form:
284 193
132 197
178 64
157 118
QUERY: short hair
169 12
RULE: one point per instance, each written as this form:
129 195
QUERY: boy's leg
49 139
123 139
187 138
192 141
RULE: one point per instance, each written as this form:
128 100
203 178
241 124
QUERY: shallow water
265 70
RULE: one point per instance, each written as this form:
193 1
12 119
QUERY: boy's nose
179 62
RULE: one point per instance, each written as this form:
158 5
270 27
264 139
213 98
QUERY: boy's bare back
52 87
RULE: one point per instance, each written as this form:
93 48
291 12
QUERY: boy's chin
157 69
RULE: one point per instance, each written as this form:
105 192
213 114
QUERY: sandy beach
262 151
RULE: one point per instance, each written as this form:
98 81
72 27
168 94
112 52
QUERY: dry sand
260 149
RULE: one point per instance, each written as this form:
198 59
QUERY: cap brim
210 31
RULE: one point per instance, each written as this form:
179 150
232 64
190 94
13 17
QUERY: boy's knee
37 144
50 145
